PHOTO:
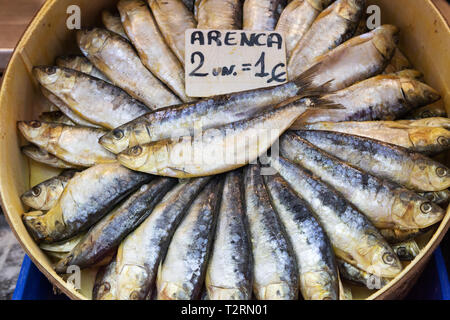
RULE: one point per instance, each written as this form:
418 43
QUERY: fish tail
305 81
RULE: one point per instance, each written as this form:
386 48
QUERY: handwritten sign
225 61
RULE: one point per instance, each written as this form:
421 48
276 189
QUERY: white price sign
225 61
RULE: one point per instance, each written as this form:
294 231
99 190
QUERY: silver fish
42 156
105 285
260 15
82 64
219 14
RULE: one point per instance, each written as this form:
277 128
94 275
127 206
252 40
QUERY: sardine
428 140
57 117
354 238
386 204
82 64
90 98
142 250
219 14
42 156
383 97
77 145
112 22
155 54
107 234
394 236
45 195
296 19
275 265
173 20
88 196
383 160
203 114
441 198
216 150
318 276
358 276
260 15
406 251
356 59
105 286
229 274
398 62
335 25
436 109
182 272
440 122
64 108
118 60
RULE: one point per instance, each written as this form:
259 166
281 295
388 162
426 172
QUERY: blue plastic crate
433 284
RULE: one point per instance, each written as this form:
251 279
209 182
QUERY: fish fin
322 103
305 79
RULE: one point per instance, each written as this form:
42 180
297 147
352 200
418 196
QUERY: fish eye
443 141
35 124
441 172
426 114
117 134
401 251
50 70
135 295
36 191
426 207
135 151
388 258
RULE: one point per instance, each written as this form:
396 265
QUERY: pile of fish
290 191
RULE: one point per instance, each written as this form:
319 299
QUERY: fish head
417 93
132 282
34 130
411 211
35 226
55 79
119 139
92 40
384 262
430 139
135 157
36 197
385 39
274 291
432 175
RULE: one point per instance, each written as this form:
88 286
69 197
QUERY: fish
109 232
173 19
398 62
155 54
181 273
427 140
386 204
57 117
218 14
358 276
354 238
37 154
68 112
275 266
63 246
409 73
141 251
407 250
333 26
88 196
105 285
383 97
439 122
260 15
118 60
441 198
356 59
387 161
204 114
44 195
216 150
436 109
394 236
318 275
111 21
90 98
77 145
296 19
82 64
229 274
